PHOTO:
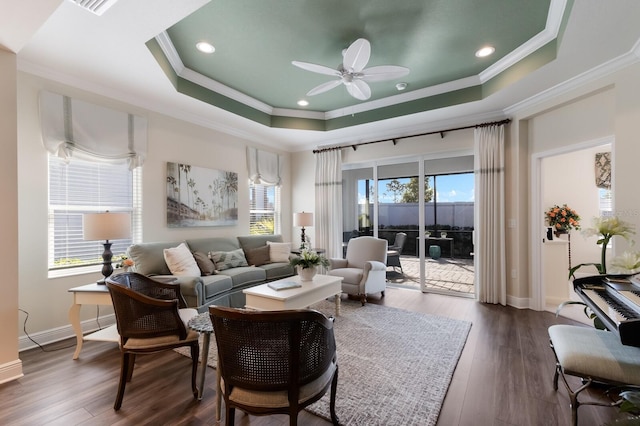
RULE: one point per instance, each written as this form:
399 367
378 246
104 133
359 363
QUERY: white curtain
489 248
328 214
263 166
71 127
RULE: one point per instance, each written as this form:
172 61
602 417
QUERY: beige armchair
363 271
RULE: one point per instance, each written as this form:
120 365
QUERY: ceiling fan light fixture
401 86
352 73
303 102
485 51
205 47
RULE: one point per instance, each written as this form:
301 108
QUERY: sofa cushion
205 245
245 275
258 256
248 242
228 259
216 284
148 258
180 261
204 263
279 252
278 270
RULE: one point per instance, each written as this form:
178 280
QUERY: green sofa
223 287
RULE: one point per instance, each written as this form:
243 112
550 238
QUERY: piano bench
594 356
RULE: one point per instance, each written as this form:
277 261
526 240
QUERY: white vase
306 274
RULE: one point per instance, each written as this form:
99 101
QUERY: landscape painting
198 196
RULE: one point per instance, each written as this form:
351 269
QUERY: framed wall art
198 196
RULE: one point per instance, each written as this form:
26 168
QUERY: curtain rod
396 139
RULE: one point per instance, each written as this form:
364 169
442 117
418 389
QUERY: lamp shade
106 226
303 219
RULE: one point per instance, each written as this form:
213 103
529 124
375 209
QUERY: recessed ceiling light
401 86
205 47
485 51
302 102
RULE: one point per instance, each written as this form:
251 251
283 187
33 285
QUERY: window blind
82 187
264 209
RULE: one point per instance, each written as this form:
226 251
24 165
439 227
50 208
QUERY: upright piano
615 299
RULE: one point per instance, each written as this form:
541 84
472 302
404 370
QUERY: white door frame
537 228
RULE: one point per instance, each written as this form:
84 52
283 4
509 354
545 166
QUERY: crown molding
600 71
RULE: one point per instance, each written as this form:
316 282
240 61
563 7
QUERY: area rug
395 365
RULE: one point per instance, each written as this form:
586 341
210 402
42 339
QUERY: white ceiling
107 55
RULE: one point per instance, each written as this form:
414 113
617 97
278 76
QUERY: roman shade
71 127
264 166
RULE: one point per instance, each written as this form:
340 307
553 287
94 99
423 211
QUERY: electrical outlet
514 274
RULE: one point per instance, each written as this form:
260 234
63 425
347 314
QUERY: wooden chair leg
229 415
332 400
124 373
131 364
195 354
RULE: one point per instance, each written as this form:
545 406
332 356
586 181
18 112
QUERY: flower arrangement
606 228
125 263
562 218
308 259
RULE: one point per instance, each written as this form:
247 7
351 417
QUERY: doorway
431 201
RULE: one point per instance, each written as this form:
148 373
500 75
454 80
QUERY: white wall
606 108
170 140
10 365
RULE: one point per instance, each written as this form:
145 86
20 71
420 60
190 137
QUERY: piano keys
616 301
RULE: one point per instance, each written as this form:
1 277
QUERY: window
264 209
84 187
604 202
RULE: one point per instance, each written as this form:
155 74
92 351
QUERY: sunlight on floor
456 275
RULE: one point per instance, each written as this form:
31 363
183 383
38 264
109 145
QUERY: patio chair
276 362
395 250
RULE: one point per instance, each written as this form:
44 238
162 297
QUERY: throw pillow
204 263
258 256
181 262
279 252
228 259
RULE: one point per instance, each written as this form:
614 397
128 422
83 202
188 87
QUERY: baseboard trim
61 333
11 371
519 302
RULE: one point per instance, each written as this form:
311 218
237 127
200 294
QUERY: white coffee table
264 298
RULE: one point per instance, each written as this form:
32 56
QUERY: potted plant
606 228
307 264
562 219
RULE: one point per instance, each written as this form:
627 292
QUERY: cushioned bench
594 356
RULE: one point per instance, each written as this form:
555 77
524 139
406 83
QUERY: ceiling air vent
95 6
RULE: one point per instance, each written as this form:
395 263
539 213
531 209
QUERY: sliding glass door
398 204
428 200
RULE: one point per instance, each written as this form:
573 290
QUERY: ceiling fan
352 72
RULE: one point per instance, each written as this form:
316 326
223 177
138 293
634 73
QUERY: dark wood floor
504 377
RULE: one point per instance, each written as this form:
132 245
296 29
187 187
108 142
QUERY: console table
90 294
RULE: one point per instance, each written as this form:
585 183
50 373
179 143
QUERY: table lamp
106 226
302 219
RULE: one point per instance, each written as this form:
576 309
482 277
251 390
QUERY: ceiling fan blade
359 90
384 72
357 55
320 69
324 87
